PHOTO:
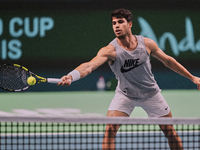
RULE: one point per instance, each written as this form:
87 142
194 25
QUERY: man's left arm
170 62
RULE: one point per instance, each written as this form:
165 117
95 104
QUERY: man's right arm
104 54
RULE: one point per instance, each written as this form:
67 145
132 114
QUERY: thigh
168 130
156 106
115 113
121 103
111 129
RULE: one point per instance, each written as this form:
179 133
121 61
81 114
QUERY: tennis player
128 56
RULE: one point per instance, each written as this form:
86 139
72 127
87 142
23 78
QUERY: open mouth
118 31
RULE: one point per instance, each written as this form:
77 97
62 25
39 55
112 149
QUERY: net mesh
41 133
12 77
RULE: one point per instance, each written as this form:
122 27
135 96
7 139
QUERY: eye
121 21
113 23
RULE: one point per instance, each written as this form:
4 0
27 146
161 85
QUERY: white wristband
75 75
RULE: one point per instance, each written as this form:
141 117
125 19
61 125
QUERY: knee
169 131
111 130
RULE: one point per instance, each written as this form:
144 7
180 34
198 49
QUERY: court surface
183 103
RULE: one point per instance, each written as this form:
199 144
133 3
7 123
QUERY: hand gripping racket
13 77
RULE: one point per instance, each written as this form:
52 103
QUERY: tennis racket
13 77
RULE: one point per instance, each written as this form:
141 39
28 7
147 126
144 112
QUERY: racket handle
53 80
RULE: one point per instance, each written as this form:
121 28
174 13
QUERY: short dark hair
122 13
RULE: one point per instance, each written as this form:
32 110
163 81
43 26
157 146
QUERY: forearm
85 69
178 68
78 73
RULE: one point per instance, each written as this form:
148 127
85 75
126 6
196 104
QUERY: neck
128 42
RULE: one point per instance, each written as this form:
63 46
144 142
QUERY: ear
130 23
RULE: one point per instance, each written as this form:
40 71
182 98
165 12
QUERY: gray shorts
156 106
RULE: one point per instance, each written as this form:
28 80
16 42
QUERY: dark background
82 27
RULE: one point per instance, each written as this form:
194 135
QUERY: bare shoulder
150 45
155 51
108 51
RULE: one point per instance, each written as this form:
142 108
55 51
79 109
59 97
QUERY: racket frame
39 79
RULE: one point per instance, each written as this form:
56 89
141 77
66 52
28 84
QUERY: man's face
121 27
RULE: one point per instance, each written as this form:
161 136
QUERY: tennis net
53 133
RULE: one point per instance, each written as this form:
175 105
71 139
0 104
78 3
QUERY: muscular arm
169 62
105 54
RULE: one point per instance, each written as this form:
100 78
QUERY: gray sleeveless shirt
133 71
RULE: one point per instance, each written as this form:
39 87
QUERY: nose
117 25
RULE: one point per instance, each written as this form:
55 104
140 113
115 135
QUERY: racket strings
13 78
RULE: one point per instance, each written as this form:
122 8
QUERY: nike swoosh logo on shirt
123 70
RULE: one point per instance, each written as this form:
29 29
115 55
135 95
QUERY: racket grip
53 80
